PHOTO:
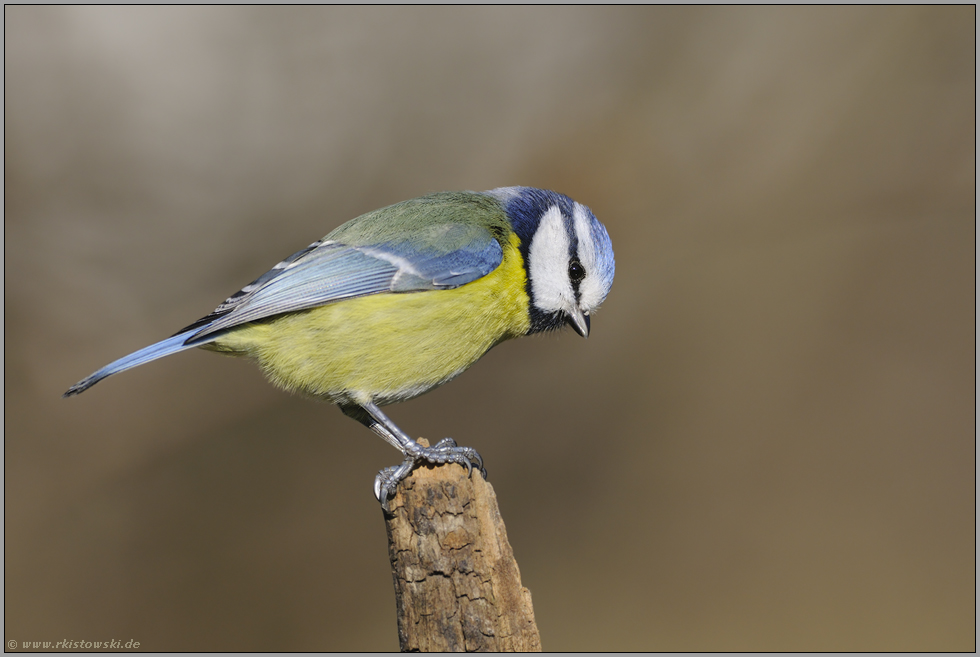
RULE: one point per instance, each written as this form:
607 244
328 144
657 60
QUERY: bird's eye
576 272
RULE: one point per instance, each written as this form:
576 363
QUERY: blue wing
328 271
323 272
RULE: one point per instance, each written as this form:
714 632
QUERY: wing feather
329 271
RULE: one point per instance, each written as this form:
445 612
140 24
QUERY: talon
479 464
387 480
445 451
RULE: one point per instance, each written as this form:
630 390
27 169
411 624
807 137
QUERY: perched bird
403 299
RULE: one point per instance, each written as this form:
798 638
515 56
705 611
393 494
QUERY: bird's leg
444 451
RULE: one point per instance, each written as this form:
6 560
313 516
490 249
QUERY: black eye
576 272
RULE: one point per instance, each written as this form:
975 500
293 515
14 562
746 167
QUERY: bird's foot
444 451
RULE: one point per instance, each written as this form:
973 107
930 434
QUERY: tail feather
163 348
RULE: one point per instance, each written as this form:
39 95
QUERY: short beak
579 321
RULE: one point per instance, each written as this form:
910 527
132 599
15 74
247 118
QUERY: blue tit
403 299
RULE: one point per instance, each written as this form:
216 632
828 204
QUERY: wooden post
457 585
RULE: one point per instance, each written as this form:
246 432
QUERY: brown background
766 444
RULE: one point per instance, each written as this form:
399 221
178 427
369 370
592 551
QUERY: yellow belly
388 347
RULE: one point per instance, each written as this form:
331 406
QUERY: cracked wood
457 585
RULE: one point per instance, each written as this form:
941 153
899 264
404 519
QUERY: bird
403 299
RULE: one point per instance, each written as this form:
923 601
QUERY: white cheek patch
548 259
595 286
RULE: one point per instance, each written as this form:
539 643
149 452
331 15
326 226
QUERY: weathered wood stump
457 585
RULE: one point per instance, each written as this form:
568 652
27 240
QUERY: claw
445 451
388 479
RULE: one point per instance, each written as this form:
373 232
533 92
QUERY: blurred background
767 443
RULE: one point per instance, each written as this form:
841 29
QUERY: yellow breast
388 347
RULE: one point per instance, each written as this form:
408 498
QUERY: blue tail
164 348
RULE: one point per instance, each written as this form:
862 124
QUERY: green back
442 222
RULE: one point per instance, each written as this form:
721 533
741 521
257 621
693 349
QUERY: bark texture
457 585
